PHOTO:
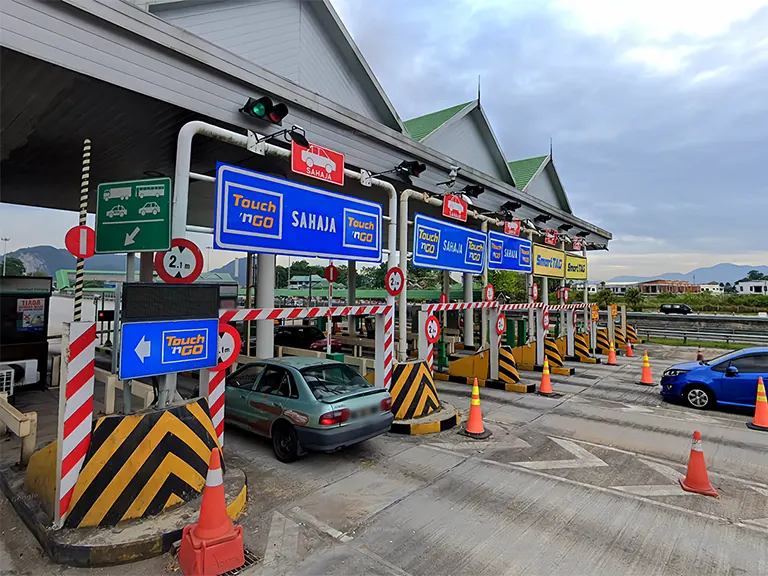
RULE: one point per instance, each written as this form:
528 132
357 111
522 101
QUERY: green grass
694 344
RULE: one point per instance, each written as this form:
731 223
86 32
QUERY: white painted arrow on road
143 349
129 238
584 459
658 489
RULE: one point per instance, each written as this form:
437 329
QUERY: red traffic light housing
411 168
264 109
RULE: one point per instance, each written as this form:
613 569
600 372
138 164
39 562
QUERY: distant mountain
717 273
49 259
238 264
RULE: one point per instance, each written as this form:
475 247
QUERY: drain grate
250 560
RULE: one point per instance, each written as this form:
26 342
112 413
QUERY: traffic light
264 109
412 168
473 190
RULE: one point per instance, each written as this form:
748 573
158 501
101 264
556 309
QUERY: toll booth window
247 377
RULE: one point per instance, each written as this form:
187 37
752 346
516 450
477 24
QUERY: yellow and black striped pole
84 186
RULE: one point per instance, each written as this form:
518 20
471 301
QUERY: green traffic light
259 109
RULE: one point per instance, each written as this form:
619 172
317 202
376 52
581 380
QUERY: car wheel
309 163
285 444
328 168
699 397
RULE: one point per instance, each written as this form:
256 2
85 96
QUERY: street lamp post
5 252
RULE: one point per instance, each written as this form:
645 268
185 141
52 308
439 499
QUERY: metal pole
84 186
5 252
330 318
484 281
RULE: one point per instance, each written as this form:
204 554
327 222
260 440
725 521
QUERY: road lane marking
584 459
307 518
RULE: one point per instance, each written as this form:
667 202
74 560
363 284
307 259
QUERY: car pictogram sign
512 227
432 329
318 162
394 281
81 241
182 264
455 207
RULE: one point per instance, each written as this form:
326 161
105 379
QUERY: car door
237 389
265 403
741 388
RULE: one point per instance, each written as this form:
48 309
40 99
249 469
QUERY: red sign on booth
455 207
550 237
512 228
578 243
318 162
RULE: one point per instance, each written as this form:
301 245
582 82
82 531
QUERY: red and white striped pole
75 411
216 402
389 344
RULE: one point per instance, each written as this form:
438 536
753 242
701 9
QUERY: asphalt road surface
583 484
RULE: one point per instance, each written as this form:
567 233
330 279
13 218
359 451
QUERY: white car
455 207
118 193
155 191
118 211
316 156
149 208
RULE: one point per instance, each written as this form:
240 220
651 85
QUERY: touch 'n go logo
183 345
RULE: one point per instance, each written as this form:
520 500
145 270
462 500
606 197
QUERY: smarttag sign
575 267
444 246
548 262
260 213
509 252
154 348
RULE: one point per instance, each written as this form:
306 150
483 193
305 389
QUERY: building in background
752 287
713 288
652 287
302 282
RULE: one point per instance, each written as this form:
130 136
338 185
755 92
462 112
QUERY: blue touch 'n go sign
509 252
445 246
154 348
260 213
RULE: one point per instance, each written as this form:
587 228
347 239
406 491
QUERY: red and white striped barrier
228 315
75 410
577 306
457 306
387 311
524 306
216 386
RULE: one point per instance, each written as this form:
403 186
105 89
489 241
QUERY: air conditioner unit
22 373
6 380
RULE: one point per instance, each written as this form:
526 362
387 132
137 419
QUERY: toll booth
24 309
228 295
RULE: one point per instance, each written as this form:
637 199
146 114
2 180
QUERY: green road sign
133 216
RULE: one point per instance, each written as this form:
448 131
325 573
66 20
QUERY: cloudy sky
658 111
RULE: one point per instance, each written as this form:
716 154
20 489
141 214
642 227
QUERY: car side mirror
731 371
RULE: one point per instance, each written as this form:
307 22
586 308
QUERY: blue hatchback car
730 379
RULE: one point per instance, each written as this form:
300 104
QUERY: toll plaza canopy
129 75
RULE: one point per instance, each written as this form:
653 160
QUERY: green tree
281 277
634 299
13 267
604 298
510 284
754 276
372 277
423 278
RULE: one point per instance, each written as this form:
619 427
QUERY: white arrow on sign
129 238
143 349
584 459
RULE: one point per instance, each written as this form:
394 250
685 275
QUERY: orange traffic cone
699 355
545 388
611 356
761 409
629 353
696 479
645 376
475 427
213 545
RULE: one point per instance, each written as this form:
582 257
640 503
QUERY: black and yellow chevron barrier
478 365
581 349
621 340
632 335
602 345
140 464
413 391
508 374
552 352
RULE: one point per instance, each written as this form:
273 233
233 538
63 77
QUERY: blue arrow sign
508 252
444 246
153 348
260 213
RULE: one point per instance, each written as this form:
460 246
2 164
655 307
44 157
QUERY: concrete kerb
127 542
487 383
443 419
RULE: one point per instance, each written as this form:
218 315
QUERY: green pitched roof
421 127
523 170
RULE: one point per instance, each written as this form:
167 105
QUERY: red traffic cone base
645 377
213 545
696 479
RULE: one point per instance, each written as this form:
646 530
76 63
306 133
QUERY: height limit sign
182 264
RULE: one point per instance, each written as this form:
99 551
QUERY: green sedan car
306 404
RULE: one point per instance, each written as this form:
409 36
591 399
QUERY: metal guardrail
746 337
